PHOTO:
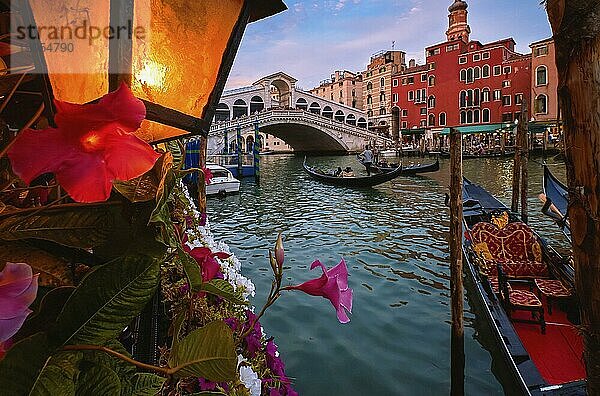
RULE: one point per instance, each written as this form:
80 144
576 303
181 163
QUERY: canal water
393 238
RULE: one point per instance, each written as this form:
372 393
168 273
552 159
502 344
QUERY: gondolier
367 159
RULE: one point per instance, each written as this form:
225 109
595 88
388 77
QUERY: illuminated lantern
174 54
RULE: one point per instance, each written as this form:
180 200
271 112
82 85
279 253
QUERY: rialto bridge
304 121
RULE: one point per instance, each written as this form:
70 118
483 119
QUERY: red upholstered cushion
525 269
524 298
486 232
552 288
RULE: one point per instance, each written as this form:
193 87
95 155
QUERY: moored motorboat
222 181
357 181
525 289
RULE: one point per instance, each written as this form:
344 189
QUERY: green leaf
106 300
145 187
143 384
23 364
45 317
98 381
208 352
74 225
192 270
177 149
224 289
58 376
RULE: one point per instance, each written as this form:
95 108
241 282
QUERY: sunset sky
313 38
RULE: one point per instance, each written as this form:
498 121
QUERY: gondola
556 201
364 181
410 170
527 303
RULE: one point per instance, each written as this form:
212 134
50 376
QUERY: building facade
343 87
544 82
463 81
377 88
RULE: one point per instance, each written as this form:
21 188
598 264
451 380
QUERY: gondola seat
552 289
515 247
520 300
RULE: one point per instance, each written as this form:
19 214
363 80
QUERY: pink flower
93 145
206 260
18 288
332 285
279 252
207 175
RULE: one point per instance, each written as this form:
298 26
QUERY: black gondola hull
356 182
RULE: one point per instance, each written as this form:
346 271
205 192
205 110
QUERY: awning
483 128
540 126
414 131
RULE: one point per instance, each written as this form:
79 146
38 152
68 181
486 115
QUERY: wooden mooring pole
457 344
255 153
201 180
523 126
239 152
516 181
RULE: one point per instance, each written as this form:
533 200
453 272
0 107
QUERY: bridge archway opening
302 104
362 123
327 112
250 144
240 109
256 104
280 94
351 119
339 116
315 108
232 147
222 112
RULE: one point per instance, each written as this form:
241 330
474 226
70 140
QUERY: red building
465 82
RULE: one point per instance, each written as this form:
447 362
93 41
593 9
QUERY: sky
313 38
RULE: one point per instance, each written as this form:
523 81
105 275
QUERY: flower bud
279 254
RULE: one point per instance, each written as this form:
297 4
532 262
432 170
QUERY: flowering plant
128 256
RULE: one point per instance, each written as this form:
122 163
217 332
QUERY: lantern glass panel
177 65
78 68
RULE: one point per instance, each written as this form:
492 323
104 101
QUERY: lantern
174 54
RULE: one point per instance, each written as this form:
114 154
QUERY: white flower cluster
230 267
249 378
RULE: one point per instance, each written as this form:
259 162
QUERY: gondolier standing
367 159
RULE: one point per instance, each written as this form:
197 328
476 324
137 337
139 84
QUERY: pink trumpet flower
18 289
332 285
206 260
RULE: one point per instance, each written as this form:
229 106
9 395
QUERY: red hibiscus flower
206 260
93 145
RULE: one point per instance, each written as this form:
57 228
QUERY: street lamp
175 55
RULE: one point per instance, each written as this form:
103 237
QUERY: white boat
222 181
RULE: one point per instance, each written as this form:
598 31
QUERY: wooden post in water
523 125
575 26
225 142
255 153
457 344
239 151
201 180
516 181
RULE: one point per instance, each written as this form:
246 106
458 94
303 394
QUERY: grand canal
393 238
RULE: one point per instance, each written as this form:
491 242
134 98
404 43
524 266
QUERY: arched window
442 119
382 111
431 81
476 72
469 117
463 75
470 75
362 123
222 113
382 97
369 99
476 116
463 99
369 85
541 75
240 108
431 120
485 95
476 97
470 97
339 116
351 119
463 117
315 108
382 82
541 104
327 112
485 115
302 104
256 104
485 71
431 101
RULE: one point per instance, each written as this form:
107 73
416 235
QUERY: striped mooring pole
256 152
240 163
225 143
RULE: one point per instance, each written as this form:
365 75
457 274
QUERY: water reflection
393 238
